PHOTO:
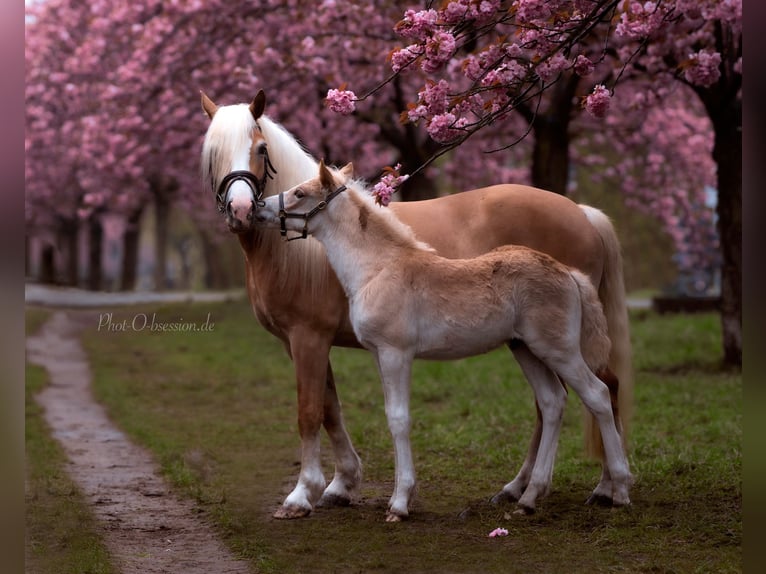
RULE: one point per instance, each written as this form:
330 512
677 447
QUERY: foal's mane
383 219
300 265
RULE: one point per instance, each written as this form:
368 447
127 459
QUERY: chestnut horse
407 302
296 296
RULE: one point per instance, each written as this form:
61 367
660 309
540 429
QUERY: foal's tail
594 336
611 292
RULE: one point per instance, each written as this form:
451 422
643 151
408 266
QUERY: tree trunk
163 188
727 152
215 276
130 251
723 104
162 216
69 230
48 264
95 249
550 155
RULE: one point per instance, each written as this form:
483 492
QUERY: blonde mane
299 262
386 221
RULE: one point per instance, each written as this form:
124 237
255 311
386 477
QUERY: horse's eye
299 194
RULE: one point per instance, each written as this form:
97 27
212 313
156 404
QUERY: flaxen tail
611 293
594 337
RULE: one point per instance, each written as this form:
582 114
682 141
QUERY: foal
406 302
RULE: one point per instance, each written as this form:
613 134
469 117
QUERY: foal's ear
348 170
208 105
258 104
325 176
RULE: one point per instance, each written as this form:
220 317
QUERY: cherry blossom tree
485 59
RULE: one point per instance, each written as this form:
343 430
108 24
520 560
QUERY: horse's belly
443 342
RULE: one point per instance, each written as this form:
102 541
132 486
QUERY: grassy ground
61 536
218 409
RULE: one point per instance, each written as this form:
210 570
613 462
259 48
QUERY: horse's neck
358 251
292 163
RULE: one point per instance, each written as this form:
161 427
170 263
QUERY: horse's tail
611 292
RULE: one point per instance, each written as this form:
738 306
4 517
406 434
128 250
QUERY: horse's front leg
395 370
310 353
348 466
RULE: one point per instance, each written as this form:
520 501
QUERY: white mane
229 132
394 225
292 162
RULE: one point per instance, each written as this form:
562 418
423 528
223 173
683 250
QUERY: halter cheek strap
285 215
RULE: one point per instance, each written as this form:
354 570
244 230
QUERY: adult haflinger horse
407 302
294 293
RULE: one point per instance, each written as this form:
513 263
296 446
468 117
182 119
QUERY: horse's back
470 223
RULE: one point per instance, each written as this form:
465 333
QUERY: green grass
219 411
61 534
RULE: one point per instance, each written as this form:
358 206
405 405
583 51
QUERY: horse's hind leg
348 467
534 478
602 494
595 395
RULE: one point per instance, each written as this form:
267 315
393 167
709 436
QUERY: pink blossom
440 128
402 58
597 102
703 69
417 25
439 48
498 532
583 66
341 101
385 188
551 68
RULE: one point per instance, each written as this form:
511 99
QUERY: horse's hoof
290 512
503 497
330 500
524 510
392 517
599 500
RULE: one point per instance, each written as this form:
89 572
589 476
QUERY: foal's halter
257 186
285 215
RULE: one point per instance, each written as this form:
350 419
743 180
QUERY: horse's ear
325 176
348 170
208 105
258 104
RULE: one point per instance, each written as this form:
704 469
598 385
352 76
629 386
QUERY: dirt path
146 528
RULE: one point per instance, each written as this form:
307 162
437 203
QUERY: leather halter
257 186
285 215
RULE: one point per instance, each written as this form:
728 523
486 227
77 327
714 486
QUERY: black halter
284 215
257 186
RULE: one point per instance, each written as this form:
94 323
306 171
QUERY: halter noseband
285 215
257 186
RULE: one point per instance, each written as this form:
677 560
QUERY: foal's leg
534 478
595 395
395 369
602 494
310 353
348 466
